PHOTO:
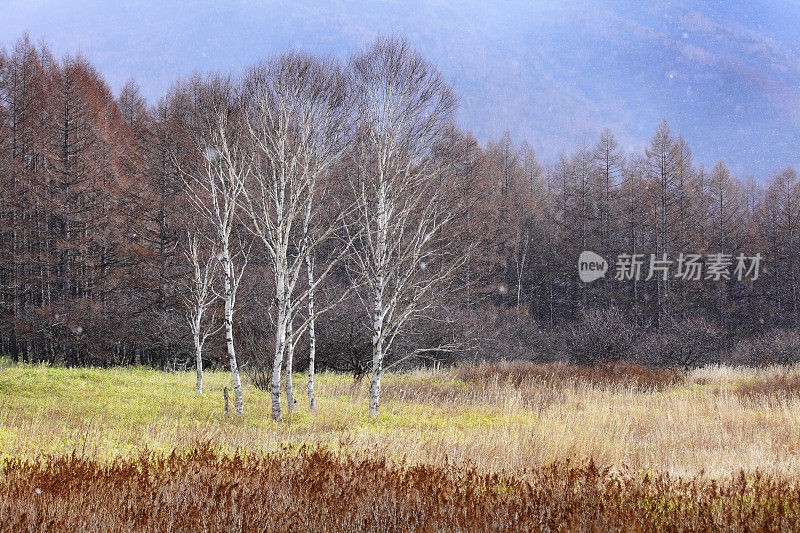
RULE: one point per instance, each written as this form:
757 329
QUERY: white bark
403 107
199 297
377 353
312 335
198 354
375 388
288 384
229 295
277 361
297 122
215 192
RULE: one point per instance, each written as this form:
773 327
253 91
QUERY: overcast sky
724 74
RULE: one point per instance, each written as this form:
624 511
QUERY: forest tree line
109 222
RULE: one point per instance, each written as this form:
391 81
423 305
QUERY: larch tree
585 197
508 198
566 208
690 208
768 222
727 223
663 166
24 259
784 191
157 228
475 213
608 161
531 167
608 165
83 178
546 237
632 207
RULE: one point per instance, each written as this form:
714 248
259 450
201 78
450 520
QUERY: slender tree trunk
280 341
275 387
198 352
377 352
312 336
237 382
375 384
378 310
375 391
287 380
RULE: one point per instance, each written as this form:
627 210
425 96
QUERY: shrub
502 334
255 348
683 343
259 372
778 347
777 384
603 335
344 340
775 347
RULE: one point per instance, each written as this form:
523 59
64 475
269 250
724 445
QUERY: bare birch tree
403 107
199 298
298 124
312 332
215 190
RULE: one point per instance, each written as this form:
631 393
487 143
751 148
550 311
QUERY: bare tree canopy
403 108
298 126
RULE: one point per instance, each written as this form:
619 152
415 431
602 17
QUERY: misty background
724 74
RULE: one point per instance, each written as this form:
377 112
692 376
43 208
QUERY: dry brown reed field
506 446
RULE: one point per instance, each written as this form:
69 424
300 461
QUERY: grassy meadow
644 441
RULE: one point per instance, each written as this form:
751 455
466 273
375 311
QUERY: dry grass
523 373
707 421
761 384
514 420
317 490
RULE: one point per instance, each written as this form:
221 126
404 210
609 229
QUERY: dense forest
106 234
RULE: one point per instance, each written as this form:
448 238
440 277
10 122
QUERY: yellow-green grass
701 423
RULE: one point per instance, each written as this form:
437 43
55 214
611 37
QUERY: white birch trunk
377 353
377 374
198 352
275 386
297 123
312 336
199 298
287 380
237 382
214 193
280 346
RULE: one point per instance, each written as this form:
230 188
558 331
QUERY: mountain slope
724 74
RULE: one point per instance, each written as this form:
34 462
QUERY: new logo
591 266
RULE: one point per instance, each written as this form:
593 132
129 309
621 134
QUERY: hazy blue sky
724 74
